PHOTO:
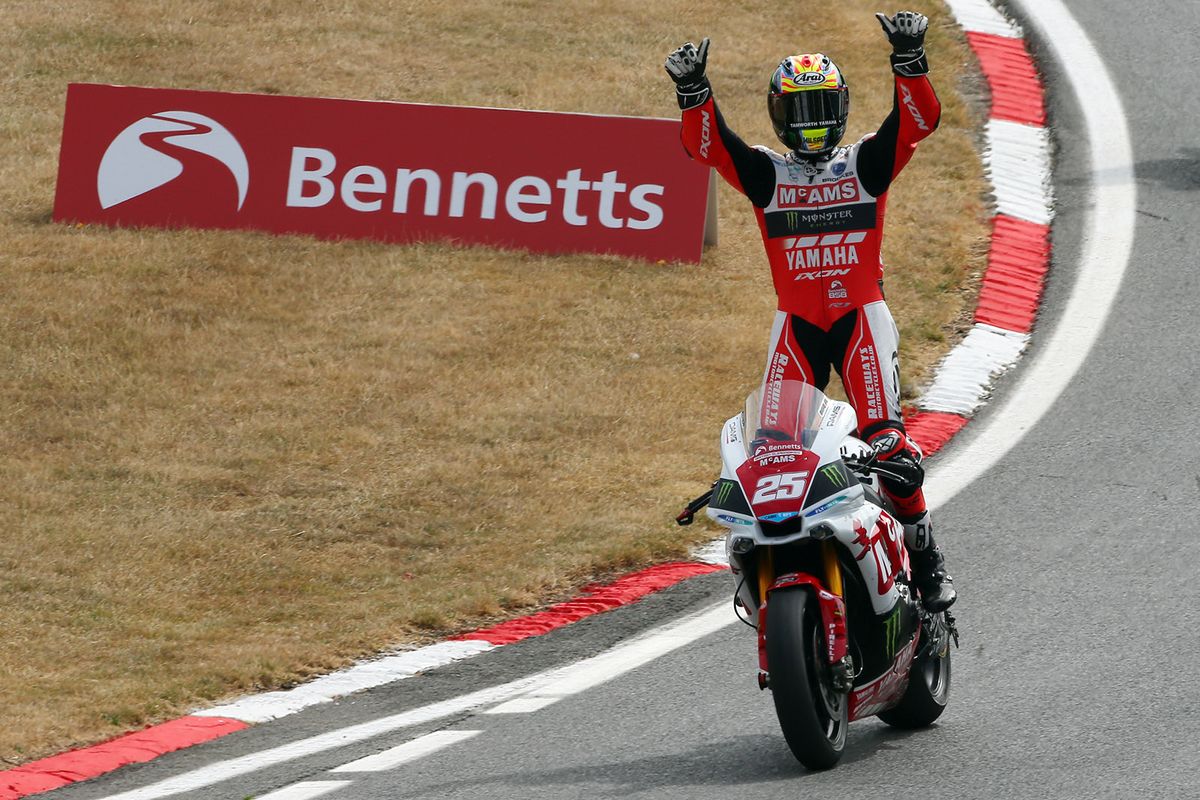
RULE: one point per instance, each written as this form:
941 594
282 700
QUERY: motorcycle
823 574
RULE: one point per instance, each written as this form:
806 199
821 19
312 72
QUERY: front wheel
812 714
928 684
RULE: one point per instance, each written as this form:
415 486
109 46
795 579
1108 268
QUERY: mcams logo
313 182
140 160
844 191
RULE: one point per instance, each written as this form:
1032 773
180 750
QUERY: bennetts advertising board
398 172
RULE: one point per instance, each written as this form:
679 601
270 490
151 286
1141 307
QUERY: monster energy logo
793 219
724 488
835 475
891 633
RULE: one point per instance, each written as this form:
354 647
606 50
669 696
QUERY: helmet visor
811 108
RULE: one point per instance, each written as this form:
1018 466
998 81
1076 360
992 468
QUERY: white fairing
849 513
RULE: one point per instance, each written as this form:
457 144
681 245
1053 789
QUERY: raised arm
916 110
705 135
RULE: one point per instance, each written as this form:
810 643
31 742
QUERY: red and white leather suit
822 227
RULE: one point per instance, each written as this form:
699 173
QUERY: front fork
830 600
829 559
833 568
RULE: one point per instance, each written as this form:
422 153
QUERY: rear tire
811 713
928 691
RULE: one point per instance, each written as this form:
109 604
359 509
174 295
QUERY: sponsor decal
821 509
815 138
839 168
857 217
891 633
874 392
887 444
837 291
892 533
822 257
782 516
921 535
874 545
886 689
705 133
139 159
767 453
399 172
820 195
910 103
727 496
733 520
775 376
527 199
815 275
835 475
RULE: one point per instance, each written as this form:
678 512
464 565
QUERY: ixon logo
140 159
911 104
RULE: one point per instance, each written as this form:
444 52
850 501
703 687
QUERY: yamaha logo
140 159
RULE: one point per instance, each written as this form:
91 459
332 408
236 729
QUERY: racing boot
928 566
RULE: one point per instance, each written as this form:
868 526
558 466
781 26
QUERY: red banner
400 172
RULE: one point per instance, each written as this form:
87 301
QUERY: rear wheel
928 684
811 713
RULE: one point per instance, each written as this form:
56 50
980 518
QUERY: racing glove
686 67
901 469
906 32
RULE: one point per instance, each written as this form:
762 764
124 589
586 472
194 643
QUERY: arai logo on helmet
810 78
139 159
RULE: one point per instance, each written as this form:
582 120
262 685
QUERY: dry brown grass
229 461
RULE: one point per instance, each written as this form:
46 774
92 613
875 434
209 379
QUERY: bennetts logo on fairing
139 159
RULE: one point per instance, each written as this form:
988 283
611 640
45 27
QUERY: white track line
556 683
523 705
409 751
1107 245
306 790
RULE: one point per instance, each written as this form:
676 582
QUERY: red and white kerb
1018 164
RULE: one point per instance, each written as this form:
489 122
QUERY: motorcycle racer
820 210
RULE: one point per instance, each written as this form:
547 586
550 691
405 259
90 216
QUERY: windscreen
791 411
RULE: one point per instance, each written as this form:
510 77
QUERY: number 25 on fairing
788 486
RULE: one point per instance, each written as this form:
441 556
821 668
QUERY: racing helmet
808 101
